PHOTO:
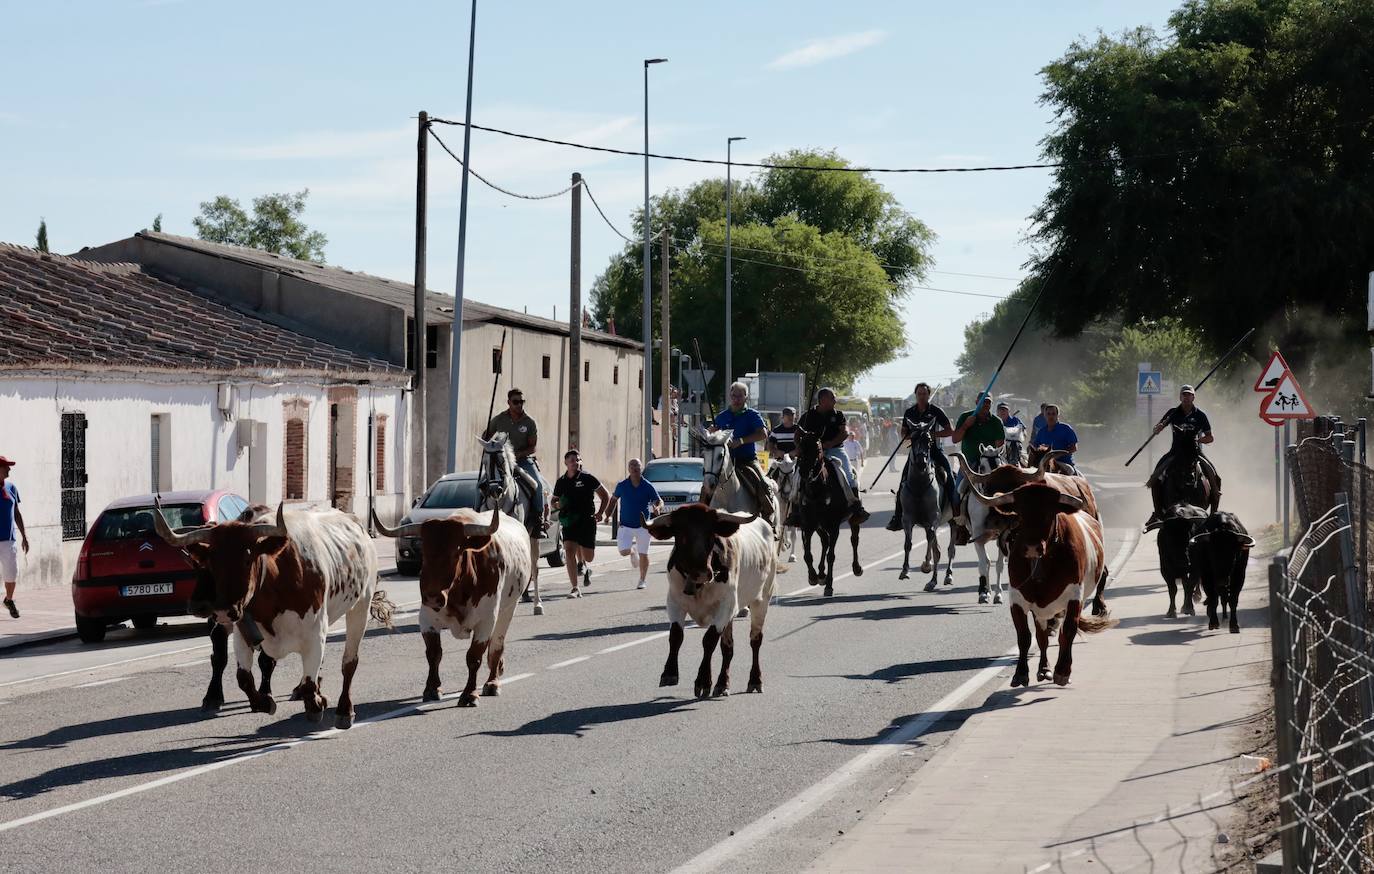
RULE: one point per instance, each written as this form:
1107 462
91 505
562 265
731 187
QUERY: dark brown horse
822 508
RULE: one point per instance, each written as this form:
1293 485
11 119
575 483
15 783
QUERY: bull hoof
702 690
1099 608
791 559
1172 614
1042 675
930 586
525 598
314 715
903 575
343 721
812 578
1235 626
720 692
467 699
1021 677
538 609
925 567
858 570
1213 625
270 707
1061 679
296 694
432 694
667 680
829 591
755 686
209 705
491 690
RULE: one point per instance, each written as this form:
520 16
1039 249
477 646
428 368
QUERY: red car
125 571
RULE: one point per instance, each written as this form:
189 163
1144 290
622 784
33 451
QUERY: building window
586 371
615 375
381 453
293 484
496 359
431 345
546 366
641 380
73 476
160 450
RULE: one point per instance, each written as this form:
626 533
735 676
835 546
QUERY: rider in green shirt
974 430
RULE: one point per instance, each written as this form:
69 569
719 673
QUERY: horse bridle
488 474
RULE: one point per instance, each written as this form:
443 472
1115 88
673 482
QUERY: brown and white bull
471 577
283 583
1055 555
719 563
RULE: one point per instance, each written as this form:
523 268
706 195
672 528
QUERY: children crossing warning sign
1283 397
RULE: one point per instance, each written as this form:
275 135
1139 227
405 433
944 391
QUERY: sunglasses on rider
519 402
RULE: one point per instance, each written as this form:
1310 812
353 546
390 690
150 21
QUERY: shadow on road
945 720
583 633
576 722
906 670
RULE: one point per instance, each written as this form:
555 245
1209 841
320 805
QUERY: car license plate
146 589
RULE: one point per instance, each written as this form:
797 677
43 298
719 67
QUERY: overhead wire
493 185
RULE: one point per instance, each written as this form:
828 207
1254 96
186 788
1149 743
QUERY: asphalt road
583 763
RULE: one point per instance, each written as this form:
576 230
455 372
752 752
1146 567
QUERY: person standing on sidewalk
854 449
574 496
634 496
11 520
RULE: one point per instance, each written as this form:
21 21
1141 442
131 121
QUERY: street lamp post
648 290
729 317
456 333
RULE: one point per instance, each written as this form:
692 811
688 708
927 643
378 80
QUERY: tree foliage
1222 173
821 264
275 225
157 223
42 240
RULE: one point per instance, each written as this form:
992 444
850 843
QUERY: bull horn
180 541
1000 500
477 529
1246 541
737 518
973 475
400 531
1072 501
1155 525
1196 537
273 529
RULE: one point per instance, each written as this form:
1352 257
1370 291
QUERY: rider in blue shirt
1037 425
749 428
1004 413
1057 435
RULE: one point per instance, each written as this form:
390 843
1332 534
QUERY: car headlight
692 499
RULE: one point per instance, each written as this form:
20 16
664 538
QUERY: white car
450 492
678 480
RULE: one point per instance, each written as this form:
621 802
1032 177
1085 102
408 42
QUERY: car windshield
129 522
450 494
673 472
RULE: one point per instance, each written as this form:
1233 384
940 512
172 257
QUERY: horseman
1190 423
1004 413
920 413
783 439
748 427
1057 435
523 435
974 430
830 428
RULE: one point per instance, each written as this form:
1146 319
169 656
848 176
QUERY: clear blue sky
120 109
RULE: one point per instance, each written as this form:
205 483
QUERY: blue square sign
1149 382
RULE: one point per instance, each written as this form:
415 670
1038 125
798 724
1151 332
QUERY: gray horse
924 505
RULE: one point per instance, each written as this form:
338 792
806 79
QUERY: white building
115 382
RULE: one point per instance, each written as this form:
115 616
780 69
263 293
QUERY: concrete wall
203 444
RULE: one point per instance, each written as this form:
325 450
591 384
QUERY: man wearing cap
974 430
783 439
748 429
1187 416
523 435
11 520
1004 413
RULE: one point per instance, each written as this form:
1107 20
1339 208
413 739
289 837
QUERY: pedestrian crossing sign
1149 382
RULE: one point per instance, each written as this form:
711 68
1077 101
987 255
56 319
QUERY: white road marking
190 663
573 661
516 678
100 683
810 799
619 646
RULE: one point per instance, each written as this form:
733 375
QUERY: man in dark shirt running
920 413
1199 427
575 495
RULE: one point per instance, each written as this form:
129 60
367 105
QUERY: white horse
721 488
497 489
787 482
1014 449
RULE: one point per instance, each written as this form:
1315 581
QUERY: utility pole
455 363
419 473
575 318
665 416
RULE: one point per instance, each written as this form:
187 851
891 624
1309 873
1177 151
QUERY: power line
1048 165
493 185
587 188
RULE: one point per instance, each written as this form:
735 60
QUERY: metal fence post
1281 645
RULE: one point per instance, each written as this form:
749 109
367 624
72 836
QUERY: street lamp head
735 139
648 61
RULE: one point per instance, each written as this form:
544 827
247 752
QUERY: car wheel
145 622
407 568
90 630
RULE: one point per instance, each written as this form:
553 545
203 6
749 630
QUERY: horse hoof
925 567
1042 675
829 591
1020 678
314 715
467 699
755 686
491 690
858 571
667 680
702 690
1188 609
270 708
997 599
432 694
538 609
720 692
1235 628
1213 625
982 597
343 721
791 559
930 586
903 575
949 579
211 706
1061 679
1172 614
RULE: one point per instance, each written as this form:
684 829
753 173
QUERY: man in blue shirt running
748 427
634 496
1058 435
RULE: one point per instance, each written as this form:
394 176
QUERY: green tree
42 235
1221 172
275 225
821 262
157 223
